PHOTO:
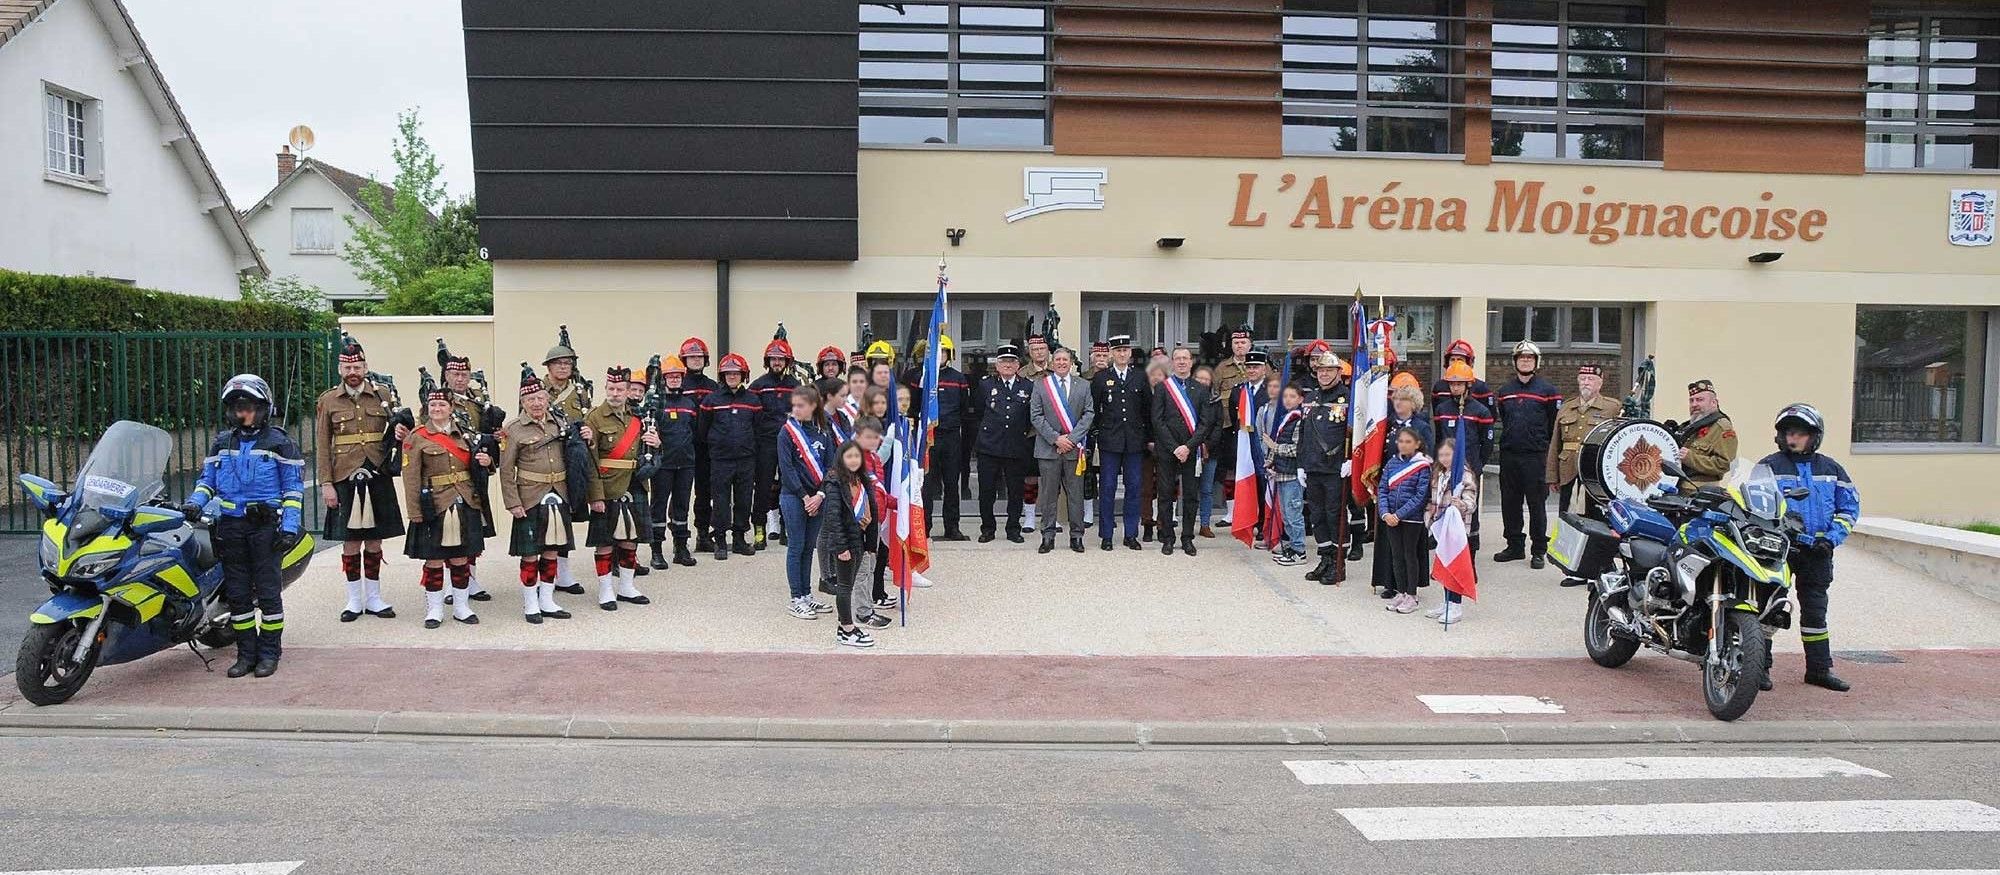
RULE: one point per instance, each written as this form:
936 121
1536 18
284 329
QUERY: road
449 806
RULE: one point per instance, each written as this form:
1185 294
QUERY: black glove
192 511
285 541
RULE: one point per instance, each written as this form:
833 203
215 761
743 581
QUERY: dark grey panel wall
664 128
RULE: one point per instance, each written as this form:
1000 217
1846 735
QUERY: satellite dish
301 139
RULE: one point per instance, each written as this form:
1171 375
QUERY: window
1558 326
954 73
1570 79
1537 324
1369 76
314 231
1921 375
71 127
1934 91
1596 326
1263 319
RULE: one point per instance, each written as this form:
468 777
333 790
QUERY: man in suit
1004 444
1122 432
1061 413
1184 421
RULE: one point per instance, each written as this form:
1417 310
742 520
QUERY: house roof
349 183
16 15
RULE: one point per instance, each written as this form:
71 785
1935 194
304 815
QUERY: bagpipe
480 432
802 372
648 413
1639 404
392 449
577 468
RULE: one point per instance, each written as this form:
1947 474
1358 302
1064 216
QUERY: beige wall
1710 313
399 345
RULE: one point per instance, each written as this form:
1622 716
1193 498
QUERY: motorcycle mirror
1672 468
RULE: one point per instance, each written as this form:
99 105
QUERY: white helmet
1527 347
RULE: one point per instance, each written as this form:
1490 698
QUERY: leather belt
342 440
449 479
538 477
618 463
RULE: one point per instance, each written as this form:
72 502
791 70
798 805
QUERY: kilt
624 519
381 501
427 539
531 534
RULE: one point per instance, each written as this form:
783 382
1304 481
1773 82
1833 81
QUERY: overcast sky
246 71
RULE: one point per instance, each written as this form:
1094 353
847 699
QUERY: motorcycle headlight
1763 543
50 553
95 565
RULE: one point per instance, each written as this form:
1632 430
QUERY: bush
463 290
41 302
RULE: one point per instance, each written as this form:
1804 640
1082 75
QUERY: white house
301 227
100 174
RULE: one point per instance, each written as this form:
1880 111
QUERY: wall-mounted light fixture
1170 242
1766 257
954 235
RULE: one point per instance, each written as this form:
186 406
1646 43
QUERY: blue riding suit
1829 515
255 477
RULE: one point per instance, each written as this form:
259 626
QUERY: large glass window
1369 76
1569 79
1934 90
1920 375
954 73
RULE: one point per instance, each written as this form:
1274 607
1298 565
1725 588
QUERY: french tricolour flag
1243 514
1451 559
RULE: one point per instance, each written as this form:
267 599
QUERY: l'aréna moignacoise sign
1519 207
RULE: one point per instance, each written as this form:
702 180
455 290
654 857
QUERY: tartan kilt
383 502
624 519
426 539
530 534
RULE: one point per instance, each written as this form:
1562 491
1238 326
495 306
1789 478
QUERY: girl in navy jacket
804 454
1405 493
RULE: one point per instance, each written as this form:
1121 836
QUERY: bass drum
1622 458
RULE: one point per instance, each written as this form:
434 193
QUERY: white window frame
1561 115
84 145
333 228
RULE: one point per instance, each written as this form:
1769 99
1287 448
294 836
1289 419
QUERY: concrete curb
412 724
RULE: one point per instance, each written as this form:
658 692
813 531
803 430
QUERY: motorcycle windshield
1758 486
125 470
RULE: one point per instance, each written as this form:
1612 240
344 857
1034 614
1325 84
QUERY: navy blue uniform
1321 454
729 430
1527 420
678 423
1829 515
699 385
1005 447
774 401
256 479
1121 431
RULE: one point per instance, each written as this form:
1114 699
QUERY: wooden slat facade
1210 79
1764 140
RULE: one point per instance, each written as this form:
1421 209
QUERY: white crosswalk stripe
1838 872
1569 769
1677 818
220 869
1490 705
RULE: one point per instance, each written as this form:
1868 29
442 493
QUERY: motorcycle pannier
1582 547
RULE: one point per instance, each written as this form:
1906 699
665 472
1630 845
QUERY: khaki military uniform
452 525
1574 420
1229 374
566 399
624 516
347 434
1031 371
1711 450
465 404
533 468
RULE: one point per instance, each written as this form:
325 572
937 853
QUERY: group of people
799 456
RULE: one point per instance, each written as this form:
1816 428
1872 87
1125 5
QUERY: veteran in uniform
353 438
479 418
621 450
569 395
1574 419
1233 371
1708 440
533 483
446 508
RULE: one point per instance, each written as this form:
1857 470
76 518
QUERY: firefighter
728 427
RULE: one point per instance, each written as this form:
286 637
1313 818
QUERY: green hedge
40 302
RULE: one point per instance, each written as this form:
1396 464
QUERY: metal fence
1892 408
60 390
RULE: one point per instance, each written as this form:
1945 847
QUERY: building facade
100 174
301 225
1792 199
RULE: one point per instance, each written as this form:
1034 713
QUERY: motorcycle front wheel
1605 648
45 670
1730 683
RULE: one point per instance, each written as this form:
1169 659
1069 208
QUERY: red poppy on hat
1589 371
351 353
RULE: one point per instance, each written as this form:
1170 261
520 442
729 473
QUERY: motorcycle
130 575
1701 576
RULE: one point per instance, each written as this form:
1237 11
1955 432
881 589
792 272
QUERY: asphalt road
454 806
21 591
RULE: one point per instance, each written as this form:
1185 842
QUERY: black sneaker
876 621
1511 554
1538 562
743 547
854 637
1389 592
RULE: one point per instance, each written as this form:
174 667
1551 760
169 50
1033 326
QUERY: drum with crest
1623 458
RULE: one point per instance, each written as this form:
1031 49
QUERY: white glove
1302 475
1347 468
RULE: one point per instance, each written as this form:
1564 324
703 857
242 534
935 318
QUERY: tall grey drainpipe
721 308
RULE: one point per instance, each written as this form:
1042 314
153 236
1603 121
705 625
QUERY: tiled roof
352 184
15 14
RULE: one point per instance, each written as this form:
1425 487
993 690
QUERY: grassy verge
1984 528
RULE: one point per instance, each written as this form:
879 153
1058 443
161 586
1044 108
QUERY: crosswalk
1427 822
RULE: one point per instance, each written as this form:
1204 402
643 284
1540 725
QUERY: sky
246 71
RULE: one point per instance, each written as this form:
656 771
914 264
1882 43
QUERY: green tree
455 236
456 290
287 290
398 247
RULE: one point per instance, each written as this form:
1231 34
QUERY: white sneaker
1452 613
1434 613
802 609
818 607
854 637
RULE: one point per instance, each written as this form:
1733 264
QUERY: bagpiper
1708 439
623 451
569 394
358 436
443 491
1574 419
1235 370
533 484
477 416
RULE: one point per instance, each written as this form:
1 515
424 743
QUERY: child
1829 515
840 414
802 464
1463 501
1406 483
880 450
848 513
1281 450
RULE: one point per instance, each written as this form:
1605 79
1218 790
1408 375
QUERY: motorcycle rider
1829 515
255 473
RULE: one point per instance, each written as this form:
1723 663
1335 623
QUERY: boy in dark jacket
673 485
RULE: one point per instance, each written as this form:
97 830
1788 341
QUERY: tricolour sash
804 449
1180 399
1416 466
1061 405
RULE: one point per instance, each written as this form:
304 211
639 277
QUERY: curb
418 724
